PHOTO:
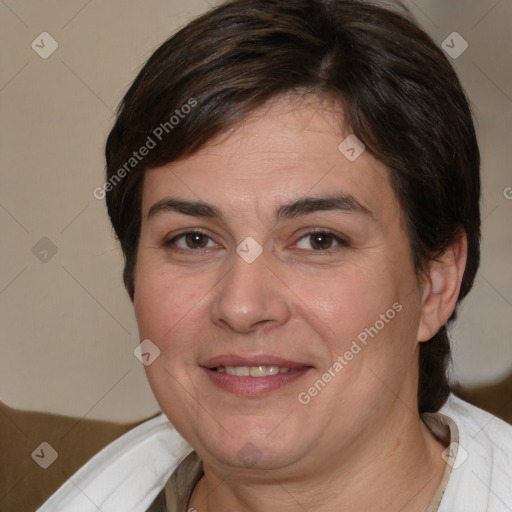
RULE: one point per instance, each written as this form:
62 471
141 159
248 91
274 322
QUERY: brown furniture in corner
24 484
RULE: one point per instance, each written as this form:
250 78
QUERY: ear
441 288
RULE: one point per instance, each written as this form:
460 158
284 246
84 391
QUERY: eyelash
340 242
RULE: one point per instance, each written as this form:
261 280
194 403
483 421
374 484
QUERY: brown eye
320 241
196 240
191 240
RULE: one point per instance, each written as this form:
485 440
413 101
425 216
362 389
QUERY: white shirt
481 476
128 474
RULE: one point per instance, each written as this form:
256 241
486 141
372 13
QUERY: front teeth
254 371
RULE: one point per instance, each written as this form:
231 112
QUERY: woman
295 188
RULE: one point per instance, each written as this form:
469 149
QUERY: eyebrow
289 210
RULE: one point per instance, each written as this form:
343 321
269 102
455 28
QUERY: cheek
162 316
370 307
149 304
167 314
344 303
172 310
161 301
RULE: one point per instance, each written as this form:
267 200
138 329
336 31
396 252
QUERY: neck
397 466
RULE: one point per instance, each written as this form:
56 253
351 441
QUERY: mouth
255 371
253 376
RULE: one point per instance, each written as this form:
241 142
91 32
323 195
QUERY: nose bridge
249 295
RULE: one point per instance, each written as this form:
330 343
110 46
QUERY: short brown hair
400 97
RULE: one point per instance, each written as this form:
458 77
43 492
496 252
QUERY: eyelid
171 239
341 240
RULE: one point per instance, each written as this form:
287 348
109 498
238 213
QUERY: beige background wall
68 332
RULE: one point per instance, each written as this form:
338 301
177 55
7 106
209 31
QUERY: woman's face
271 247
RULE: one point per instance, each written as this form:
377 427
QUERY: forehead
285 150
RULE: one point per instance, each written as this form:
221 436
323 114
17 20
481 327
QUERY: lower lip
254 386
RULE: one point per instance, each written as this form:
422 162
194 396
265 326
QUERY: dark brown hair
399 94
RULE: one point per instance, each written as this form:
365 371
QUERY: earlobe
441 288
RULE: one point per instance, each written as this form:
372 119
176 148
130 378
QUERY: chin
245 444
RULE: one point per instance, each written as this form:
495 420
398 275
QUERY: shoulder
127 474
471 417
481 478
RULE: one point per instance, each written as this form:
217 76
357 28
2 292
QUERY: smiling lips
253 376
255 371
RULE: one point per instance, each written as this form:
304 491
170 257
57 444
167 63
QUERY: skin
359 444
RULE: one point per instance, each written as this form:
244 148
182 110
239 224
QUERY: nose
250 297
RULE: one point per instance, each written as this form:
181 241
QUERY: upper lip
254 360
